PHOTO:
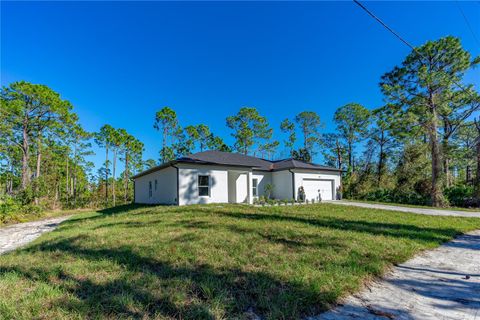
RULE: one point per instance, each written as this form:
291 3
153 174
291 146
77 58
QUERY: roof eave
316 169
156 168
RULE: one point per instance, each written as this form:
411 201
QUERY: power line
406 42
467 22
388 28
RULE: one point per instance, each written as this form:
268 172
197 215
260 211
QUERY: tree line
44 151
421 146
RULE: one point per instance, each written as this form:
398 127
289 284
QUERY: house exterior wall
237 187
241 188
227 184
317 174
282 184
232 186
263 178
166 192
219 184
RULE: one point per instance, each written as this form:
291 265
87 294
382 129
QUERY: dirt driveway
17 235
427 211
440 284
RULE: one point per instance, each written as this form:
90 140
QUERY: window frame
150 189
203 186
156 184
255 187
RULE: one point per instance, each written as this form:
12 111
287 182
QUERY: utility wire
388 28
406 42
467 22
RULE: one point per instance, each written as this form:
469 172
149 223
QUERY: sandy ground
433 212
440 284
17 235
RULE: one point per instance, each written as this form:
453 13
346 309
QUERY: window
204 186
156 184
150 189
255 187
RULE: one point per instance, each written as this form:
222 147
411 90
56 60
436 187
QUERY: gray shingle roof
228 158
297 164
240 160
237 159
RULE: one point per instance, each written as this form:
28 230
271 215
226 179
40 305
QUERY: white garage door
315 188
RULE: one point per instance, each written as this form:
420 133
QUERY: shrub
395 196
32 210
261 200
268 189
9 207
460 196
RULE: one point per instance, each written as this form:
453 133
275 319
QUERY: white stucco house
223 177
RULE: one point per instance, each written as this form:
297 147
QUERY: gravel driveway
434 212
440 284
17 235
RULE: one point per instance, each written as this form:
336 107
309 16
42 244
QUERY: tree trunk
437 183
477 179
106 176
446 170
55 200
113 174
39 158
305 139
339 154
468 174
25 157
74 187
477 145
126 174
164 141
67 191
381 158
350 156
37 171
446 159
10 185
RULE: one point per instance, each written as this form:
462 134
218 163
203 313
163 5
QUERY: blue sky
120 62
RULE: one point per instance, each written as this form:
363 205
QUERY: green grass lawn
211 262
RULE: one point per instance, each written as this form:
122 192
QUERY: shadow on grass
126 208
397 230
113 211
387 229
149 288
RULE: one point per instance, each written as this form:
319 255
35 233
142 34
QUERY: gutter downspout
178 185
293 183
